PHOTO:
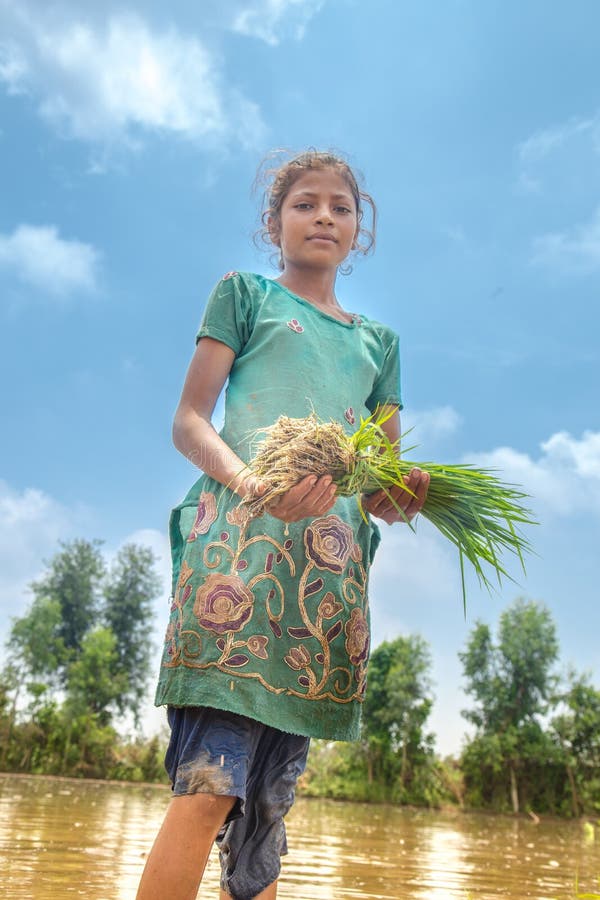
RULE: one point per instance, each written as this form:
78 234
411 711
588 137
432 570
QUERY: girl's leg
178 858
251 846
269 893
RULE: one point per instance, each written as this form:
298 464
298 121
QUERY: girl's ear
357 232
273 229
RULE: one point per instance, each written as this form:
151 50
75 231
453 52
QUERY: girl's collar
350 320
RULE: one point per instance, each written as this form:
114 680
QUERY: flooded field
64 838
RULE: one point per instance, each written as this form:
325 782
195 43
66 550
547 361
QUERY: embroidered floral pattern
329 542
349 416
185 573
298 658
170 639
295 325
228 275
357 637
239 516
183 592
211 613
329 606
356 553
223 603
205 516
257 644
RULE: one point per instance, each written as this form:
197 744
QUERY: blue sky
130 135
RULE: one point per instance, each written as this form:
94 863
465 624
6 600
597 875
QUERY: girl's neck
317 287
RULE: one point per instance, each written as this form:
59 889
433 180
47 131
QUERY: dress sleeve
386 389
228 313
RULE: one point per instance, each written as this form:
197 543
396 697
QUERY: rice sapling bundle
470 506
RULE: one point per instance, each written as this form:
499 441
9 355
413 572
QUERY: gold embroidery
224 604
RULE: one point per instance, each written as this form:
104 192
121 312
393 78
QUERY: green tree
79 655
7 713
47 638
394 760
396 708
92 689
91 683
511 683
129 590
36 647
36 654
72 581
577 729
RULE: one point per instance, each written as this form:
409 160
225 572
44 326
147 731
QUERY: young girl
268 639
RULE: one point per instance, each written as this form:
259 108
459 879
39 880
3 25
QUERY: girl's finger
301 490
326 502
398 499
296 497
420 494
381 499
310 497
319 501
321 490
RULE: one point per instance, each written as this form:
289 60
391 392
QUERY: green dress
267 620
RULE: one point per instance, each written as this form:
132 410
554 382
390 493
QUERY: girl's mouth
322 237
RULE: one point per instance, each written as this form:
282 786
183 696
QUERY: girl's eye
342 209
302 206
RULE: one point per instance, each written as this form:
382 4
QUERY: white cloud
31 524
563 481
39 256
575 251
582 456
272 20
113 82
410 566
561 157
541 144
13 68
427 426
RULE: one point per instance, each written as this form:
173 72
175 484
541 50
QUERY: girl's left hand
380 505
311 497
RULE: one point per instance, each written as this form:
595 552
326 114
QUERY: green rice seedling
472 507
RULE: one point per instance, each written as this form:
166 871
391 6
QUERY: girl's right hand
311 497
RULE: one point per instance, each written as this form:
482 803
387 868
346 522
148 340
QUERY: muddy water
62 839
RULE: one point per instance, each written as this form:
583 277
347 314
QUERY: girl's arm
195 437
193 432
380 505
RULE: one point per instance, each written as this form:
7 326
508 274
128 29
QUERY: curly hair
277 180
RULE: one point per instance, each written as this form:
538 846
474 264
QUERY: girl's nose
323 216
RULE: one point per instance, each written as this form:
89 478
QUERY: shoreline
445 810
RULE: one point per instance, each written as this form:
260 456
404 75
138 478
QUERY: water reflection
61 838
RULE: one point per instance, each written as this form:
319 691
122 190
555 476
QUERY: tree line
535 741
78 664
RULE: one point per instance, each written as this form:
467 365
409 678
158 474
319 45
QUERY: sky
130 137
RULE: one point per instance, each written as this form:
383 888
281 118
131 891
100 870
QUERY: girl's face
318 222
